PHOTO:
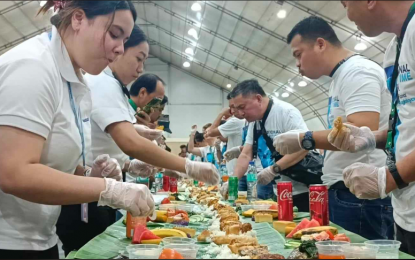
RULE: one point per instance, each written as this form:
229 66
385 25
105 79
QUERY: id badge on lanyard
78 121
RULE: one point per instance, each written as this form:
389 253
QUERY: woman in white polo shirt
42 92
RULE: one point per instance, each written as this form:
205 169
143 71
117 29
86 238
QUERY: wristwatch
396 176
308 142
276 168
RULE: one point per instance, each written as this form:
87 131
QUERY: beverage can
319 204
285 200
144 181
166 183
233 188
173 185
196 183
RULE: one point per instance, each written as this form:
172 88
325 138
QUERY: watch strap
396 176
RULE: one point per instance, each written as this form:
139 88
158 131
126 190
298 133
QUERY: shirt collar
108 72
62 58
133 105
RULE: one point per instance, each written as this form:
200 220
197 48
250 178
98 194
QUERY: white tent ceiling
236 40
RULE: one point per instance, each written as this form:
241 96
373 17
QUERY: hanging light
192 32
196 7
186 64
285 95
291 84
360 46
282 14
302 84
189 51
228 85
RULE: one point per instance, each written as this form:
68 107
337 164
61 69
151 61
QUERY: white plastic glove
288 143
138 168
134 198
104 166
201 171
148 133
365 181
266 176
224 190
232 153
173 174
354 139
193 130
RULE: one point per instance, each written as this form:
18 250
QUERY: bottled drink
319 204
285 200
158 181
233 189
173 185
145 181
166 183
251 179
224 173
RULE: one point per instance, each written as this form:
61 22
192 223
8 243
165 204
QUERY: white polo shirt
109 105
232 130
34 96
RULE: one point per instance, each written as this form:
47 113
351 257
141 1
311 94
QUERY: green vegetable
309 247
155 103
292 244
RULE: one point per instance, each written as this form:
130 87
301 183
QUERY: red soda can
285 200
166 183
319 204
173 185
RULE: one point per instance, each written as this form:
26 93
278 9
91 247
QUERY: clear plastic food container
360 251
165 207
331 249
188 251
144 251
178 240
186 207
388 249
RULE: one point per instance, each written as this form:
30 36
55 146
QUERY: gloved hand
193 130
205 172
224 190
104 166
217 144
134 198
232 153
138 168
266 176
288 143
365 181
354 139
148 133
174 174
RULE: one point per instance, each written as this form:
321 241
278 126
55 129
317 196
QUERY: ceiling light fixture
360 46
228 85
285 95
196 7
282 14
291 84
192 32
302 84
189 51
186 64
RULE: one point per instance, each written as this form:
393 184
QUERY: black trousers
301 201
51 253
407 239
74 233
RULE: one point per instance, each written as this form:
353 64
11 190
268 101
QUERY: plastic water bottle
158 181
251 179
223 173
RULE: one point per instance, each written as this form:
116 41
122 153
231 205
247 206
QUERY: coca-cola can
173 184
166 183
285 200
319 204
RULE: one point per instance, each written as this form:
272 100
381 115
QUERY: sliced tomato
165 201
331 236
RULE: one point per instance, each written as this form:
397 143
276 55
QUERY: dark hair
199 137
147 81
247 87
229 96
207 125
62 19
137 37
168 149
222 122
164 101
314 27
182 146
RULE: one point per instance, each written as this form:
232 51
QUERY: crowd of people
73 156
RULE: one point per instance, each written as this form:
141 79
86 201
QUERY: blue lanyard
78 120
78 116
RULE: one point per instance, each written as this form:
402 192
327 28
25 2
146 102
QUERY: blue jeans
371 219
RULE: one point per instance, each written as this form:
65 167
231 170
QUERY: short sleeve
295 121
361 90
29 96
250 134
109 104
231 127
203 152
